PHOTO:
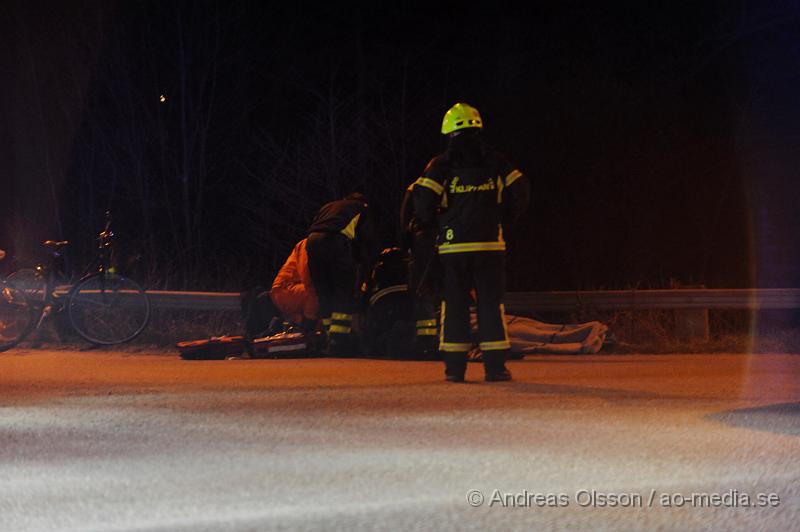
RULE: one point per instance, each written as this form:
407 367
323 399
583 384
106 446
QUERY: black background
661 140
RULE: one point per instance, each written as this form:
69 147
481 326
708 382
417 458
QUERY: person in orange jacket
293 292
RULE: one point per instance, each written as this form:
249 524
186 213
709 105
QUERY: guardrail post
692 323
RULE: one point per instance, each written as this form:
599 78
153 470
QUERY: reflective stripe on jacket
470 204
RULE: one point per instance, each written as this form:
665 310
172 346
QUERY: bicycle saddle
55 243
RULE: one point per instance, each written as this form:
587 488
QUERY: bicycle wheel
30 283
108 309
16 317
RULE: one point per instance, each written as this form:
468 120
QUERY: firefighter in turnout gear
423 277
340 245
467 194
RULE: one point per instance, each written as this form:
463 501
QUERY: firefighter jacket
353 219
292 290
410 229
471 204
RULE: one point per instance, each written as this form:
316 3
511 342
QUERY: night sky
661 141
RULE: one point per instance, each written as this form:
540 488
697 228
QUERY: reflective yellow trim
427 332
503 321
326 321
341 317
495 346
500 188
431 184
471 246
453 347
386 291
426 323
442 316
513 176
340 329
444 200
411 187
350 230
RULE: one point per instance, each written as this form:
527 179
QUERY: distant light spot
162 98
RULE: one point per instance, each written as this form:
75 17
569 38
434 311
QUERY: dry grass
650 331
170 326
166 328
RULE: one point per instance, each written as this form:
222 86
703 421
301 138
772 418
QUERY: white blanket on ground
529 336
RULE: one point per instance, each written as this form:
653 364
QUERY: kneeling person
340 243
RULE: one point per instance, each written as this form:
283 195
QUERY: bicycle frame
54 300
100 263
93 302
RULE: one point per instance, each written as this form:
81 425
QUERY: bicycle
103 307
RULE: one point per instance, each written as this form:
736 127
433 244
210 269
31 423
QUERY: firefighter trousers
423 279
485 272
333 272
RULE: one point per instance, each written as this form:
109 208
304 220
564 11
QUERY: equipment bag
216 348
282 345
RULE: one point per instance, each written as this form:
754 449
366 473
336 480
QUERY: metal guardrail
689 298
194 300
683 298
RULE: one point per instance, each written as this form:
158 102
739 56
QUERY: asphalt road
109 441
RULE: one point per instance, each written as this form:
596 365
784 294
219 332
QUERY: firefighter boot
455 366
340 339
495 366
